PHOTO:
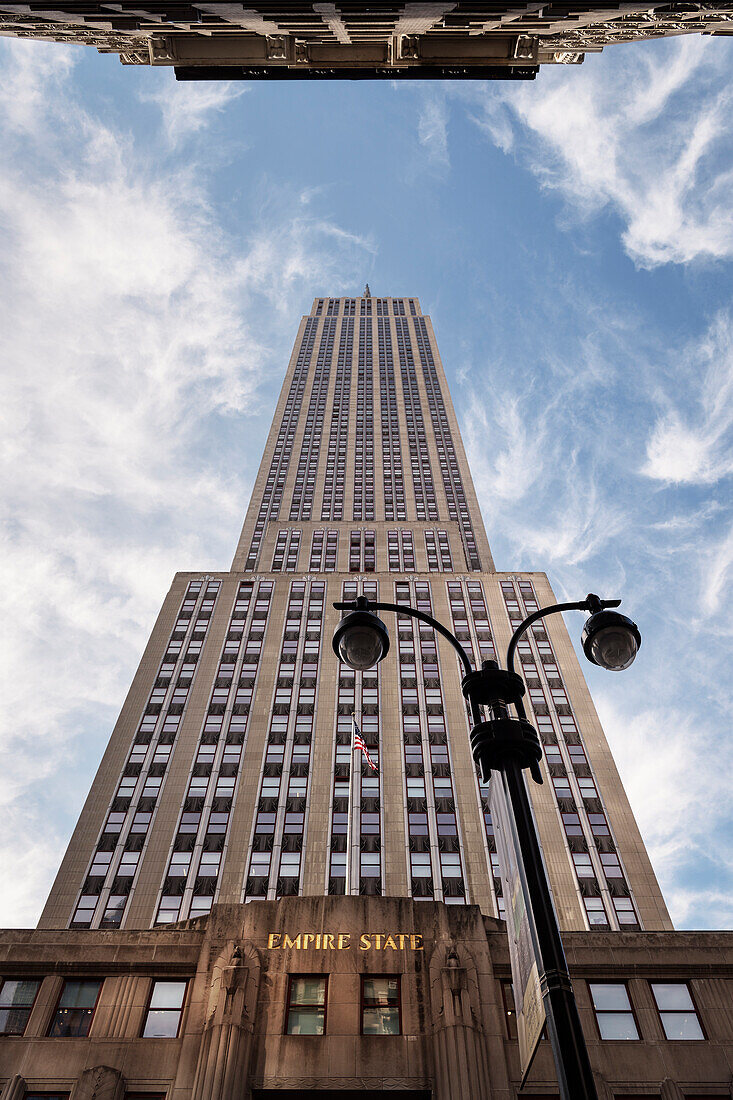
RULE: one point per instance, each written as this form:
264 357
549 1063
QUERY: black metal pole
574 1073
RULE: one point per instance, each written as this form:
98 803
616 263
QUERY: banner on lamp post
524 954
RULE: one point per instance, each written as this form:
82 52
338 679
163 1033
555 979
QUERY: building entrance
347 1094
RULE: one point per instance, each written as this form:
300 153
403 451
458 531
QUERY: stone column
223 1063
14 1088
461 1068
114 1023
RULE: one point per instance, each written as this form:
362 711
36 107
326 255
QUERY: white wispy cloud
670 766
516 457
716 564
127 326
692 440
432 127
560 458
643 131
188 106
25 81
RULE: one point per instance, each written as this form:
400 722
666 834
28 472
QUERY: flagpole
350 816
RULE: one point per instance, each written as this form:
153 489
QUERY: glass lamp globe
611 640
361 640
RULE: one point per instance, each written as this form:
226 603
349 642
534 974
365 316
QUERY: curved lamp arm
591 603
364 604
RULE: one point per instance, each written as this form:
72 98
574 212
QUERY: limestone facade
453 1038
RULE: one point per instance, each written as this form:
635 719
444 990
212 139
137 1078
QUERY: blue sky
572 240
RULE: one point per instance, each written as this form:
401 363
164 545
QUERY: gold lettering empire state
226 779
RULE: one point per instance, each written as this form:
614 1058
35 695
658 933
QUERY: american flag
361 746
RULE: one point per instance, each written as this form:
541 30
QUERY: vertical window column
273 768
422 474
276 852
324 548
432 552
362 552
357 694
439 555
109 881
189 888
332 507
277 474
449 844
434 840
364 444
473 643
393 552
315 564
278 556
450 471
393 476
408 551
301 505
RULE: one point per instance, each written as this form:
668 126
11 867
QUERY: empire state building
200 941
226 777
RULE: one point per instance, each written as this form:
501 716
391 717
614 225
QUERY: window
16 1002
614 1014
75 1010
595 912
380 1006
677 1010
163 1018
306 1013
583 865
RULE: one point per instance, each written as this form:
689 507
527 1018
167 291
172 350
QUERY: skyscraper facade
197 943
227 775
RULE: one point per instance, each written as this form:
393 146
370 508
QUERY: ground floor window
306 1013
380 1005
163 1018
75 1009
17 997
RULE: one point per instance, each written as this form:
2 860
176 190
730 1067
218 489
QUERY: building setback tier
361 996
227 775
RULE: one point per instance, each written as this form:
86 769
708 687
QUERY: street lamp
508 745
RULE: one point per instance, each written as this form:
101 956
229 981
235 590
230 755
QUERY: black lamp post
509 745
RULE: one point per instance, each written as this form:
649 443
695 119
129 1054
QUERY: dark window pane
13 1020
16 1001
73 1017
18 994
79 995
